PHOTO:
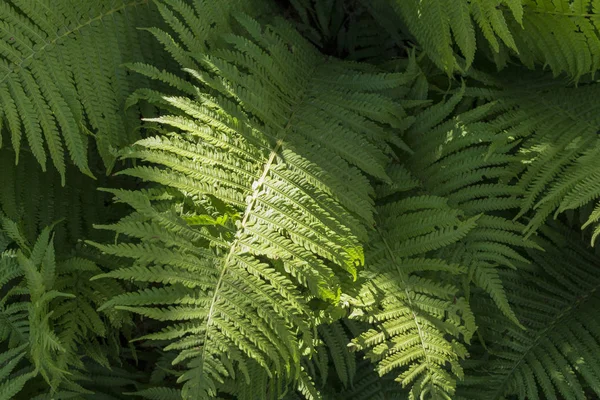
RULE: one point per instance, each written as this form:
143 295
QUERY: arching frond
553 131
439 25
559 34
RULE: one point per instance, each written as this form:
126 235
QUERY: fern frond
48 313
25 323
459 159
559 34
159 393
61 80
418 323
369 385
36 199
554 130
336 341
556 356
275 134
12 383
438 25
346 28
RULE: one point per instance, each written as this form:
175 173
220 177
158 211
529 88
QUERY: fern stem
256 188
407 294
257 185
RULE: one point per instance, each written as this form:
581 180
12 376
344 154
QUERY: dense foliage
299 199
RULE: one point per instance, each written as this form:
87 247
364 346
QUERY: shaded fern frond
460 159
25 323
36 199
49 313
559 34
562 35
336 340
561 153
88 336
61 79
557 355
553 130
11 382
438 25
159 393
369 385
344 28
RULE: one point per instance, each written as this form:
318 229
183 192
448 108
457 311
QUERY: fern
160 394
345 28
35 200
459 159
553 131
14 329
61 80
440 24
332 368
57 325
367 385
333 199
556 356
336 340
26 324
418 322
370 386
561 35
279 155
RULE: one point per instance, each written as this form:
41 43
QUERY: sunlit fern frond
277 139
418 324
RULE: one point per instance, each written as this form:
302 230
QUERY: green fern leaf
60 76
457 159
412 314
555 356
258 142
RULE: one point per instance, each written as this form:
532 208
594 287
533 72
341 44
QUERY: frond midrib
257 186
412 307
234 246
